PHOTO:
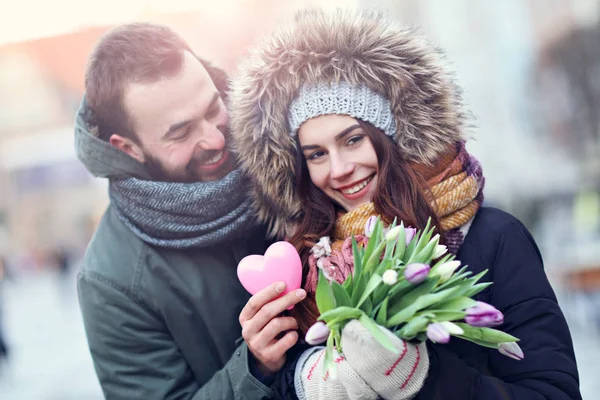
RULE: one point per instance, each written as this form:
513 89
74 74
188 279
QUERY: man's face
182 126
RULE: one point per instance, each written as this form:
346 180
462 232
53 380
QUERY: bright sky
31 19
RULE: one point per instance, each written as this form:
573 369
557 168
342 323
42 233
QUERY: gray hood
100 157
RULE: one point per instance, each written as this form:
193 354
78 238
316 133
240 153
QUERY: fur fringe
355 46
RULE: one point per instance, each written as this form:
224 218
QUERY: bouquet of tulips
398 284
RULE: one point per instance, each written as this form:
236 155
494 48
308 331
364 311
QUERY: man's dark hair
140 53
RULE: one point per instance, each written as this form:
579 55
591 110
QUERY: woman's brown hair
400 194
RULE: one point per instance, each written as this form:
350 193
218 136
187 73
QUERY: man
158 288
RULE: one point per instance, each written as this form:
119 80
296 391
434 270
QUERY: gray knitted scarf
184 215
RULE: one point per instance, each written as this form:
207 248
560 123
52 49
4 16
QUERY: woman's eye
355 139
316 155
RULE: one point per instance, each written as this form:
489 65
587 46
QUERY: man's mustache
203 156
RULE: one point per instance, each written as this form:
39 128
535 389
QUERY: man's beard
189 173
159 173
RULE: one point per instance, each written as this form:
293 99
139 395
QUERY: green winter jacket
160 323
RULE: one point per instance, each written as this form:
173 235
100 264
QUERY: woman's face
341 159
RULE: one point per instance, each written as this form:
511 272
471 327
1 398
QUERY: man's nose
212 137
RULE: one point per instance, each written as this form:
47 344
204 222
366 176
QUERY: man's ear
127 146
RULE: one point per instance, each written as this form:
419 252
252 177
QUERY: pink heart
281 263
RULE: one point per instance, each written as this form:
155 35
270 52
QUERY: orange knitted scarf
455 193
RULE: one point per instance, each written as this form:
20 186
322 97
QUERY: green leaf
400 289
433 298
357 254
357 258
414 326
480 275
420 303
462 271
374 240
341 296
400 243
468 288
486 334
340 313
367 306
401 300
481 342
389 248
401 316
329 365
455 279
457 304
337 338
373 282
425 237
324 296
445 315
477 288
382 313
411 248
377 333
335 322
375 257
383 266
424 255
421 337
381 293
347 285
463 287
360 283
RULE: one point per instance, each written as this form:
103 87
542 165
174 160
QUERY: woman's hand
262 326
395 375
366 370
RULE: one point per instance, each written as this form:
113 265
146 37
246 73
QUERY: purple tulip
317 333
512 350
370 226
438 333
483 315
416 273
410 234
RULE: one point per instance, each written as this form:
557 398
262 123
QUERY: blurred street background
530 70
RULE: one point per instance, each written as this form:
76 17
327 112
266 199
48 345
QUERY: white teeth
215 159
357 187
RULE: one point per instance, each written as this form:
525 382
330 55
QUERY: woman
344 116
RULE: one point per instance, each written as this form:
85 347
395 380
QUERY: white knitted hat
358 101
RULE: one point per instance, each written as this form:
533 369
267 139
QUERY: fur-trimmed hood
358 47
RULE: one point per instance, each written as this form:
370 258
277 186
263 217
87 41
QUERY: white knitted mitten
394 376
310 382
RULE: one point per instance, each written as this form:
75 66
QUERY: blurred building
47 198
498 51
46 193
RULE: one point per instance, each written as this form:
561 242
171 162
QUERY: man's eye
184 133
